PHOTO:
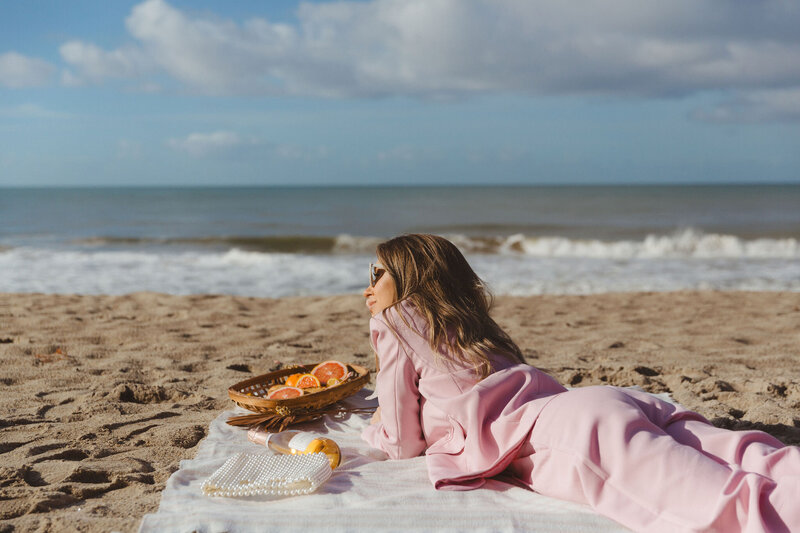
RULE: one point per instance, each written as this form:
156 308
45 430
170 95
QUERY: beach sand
102 396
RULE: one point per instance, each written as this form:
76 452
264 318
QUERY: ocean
284 241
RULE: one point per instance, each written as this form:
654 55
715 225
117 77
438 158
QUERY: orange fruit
332 382
284 392
307 381
330 369
291 381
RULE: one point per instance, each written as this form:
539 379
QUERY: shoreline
104 395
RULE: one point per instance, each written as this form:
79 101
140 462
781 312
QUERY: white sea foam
686 243
232 272
282 274
353 244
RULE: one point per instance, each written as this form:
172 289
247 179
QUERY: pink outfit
645 463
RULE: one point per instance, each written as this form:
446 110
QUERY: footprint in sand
72 454
22 476
85 475
38 450
140 393
84 483
188 437
6 447
50 500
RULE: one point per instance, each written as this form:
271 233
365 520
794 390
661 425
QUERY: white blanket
366 493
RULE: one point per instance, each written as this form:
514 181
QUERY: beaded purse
263 474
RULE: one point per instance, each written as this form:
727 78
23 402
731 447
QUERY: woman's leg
752 451
603 447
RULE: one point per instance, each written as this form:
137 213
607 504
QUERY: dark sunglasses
376 270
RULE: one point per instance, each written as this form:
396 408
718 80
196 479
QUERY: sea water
273 242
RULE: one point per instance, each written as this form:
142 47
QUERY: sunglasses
376 270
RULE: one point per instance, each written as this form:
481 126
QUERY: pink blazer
469 430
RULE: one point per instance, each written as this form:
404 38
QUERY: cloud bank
204 144
225 143
451 48
18 71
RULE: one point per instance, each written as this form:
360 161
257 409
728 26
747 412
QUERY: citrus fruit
332 382
285 392
291 381
330 369
307 381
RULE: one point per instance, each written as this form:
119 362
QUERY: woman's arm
397 430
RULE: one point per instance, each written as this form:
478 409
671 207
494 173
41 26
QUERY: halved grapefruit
307 381
291 381
282 393
330 369
275 387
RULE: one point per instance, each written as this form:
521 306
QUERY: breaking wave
684 244
687 243
507 271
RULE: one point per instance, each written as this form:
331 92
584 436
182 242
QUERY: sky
216 93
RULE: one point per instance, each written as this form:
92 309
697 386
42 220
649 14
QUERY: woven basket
251 394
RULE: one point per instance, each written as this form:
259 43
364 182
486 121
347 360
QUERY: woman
453 385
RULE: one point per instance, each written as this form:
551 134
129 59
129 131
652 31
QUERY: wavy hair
430 272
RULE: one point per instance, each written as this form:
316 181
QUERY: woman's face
382 294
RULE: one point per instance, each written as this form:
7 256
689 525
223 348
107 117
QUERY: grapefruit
291 381
283 393
330 370
307 381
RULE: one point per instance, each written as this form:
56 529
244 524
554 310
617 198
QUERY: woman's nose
367 291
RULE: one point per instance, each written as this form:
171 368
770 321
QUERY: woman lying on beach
453 385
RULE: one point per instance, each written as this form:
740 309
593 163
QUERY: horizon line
405 185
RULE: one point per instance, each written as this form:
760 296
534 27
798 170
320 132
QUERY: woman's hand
376 417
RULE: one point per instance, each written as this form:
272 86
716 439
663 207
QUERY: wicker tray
277 414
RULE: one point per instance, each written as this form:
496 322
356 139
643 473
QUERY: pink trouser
653 466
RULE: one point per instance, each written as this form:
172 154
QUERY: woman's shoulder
402 318
404 323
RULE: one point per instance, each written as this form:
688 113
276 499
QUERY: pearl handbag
247 474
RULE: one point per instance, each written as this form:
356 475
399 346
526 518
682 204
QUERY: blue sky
391 92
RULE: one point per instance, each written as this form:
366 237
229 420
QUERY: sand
102 396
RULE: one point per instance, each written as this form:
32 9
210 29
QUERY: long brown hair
430 272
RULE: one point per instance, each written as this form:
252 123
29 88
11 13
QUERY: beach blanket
366 493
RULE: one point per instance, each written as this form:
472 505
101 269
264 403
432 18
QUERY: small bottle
296 443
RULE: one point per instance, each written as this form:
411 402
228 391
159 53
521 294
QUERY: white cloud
444 48
227 142
70 79
756 106
93 64
18 71
204 144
